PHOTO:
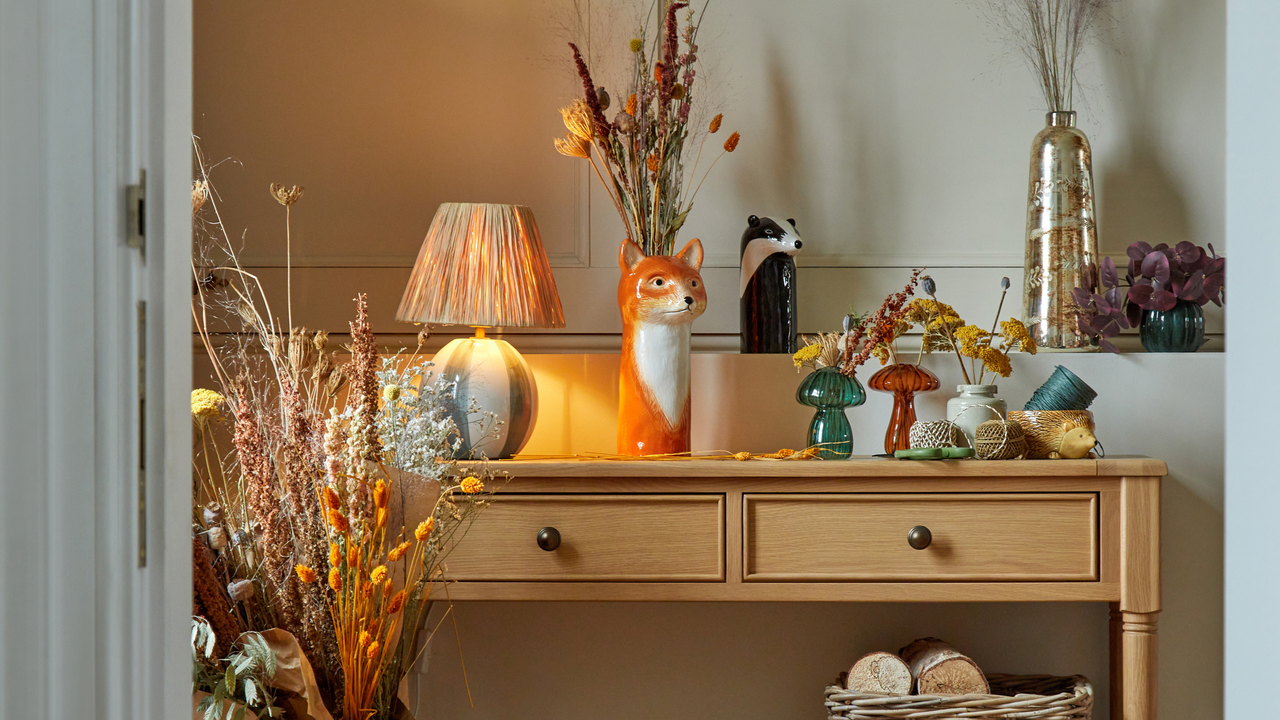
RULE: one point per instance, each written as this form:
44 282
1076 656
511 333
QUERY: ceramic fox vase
659 297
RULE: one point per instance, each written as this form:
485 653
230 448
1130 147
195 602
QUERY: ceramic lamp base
493 374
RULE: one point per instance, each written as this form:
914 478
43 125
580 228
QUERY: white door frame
91 91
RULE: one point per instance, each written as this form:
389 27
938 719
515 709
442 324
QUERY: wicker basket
1042 697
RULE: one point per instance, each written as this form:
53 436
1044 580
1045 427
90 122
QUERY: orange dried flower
397 602
715 123
382 517
365 637
631 105
353 555
335 579
423 530
386 588
657 73
335 555
305 574
472 485
731 143
378 575
331 498
338 520
398 552
372 652
381 494
366 591
653 162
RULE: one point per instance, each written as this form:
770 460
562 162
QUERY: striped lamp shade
482 265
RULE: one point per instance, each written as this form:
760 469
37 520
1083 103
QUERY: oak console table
857 530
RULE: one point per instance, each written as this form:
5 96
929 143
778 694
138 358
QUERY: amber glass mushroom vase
904 381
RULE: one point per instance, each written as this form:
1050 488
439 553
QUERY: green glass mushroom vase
829 393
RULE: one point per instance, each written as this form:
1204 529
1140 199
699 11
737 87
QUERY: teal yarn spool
1064 390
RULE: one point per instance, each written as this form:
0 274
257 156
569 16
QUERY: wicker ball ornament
1000 440
935 433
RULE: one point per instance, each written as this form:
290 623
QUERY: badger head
764 237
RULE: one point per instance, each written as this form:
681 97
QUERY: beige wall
895 131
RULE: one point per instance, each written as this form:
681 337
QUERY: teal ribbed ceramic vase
830 393
1178 330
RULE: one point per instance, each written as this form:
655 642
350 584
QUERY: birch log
880 672
938 669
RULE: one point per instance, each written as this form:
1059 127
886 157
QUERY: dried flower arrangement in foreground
323 520
643 149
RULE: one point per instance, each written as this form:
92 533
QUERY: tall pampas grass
1050 34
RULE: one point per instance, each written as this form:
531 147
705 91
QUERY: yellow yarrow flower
472 485
808 353
1017 335
206 404
995 361
972 339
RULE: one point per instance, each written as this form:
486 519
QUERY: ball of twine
999 440
934 433
1064 390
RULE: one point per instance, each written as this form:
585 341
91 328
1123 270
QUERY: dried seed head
732 143
677 92
930 287
625 123
472 485
423 334
1004 283
577 118
217 538
652 162
240 589
381 494
378 575
632 105
397 602
573 146
305 574
335 579
715 123
423 531
335 555
286 195
213 514
636 45
603 97
199 195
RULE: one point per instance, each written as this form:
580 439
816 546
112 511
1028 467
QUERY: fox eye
695 283
657 281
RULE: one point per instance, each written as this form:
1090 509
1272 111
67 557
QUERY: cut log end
880 672
939 669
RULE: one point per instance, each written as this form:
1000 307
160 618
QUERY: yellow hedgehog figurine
1077 442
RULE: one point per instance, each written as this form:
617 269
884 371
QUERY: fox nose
799 244
688 300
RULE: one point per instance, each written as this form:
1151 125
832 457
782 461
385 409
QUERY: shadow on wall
1141 198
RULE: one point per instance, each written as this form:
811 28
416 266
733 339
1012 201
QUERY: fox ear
753 221
629 255
692 253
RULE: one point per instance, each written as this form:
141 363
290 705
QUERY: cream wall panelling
896 133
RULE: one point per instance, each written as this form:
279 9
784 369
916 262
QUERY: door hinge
136 213
142 433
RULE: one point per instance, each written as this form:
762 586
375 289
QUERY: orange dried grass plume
331 499
305 574
632 105
338 521
335 555
335 579
380 494
397 602
732 143
715 123
423 531
398 552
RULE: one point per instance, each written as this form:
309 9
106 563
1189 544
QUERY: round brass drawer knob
549 538
919 537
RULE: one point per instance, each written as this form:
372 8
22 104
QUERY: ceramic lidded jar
975 405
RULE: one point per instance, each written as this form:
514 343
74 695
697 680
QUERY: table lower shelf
783 592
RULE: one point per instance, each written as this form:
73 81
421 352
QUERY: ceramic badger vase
659 297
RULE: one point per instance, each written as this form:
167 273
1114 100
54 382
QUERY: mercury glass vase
830 392
1062 236
904 381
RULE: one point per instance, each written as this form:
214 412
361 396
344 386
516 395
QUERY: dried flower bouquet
643 149
301 520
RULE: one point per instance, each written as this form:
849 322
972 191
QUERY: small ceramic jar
974 405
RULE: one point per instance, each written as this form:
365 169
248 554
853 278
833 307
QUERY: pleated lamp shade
482 265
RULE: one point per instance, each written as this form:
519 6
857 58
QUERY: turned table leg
1138 650
1116 664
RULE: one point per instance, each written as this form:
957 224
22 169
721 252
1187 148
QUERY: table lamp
483 265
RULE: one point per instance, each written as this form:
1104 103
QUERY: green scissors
935 453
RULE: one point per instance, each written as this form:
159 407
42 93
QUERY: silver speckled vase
1062 237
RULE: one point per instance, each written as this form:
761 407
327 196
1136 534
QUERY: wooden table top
1115 466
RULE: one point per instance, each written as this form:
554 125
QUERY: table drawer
603 538
975 537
